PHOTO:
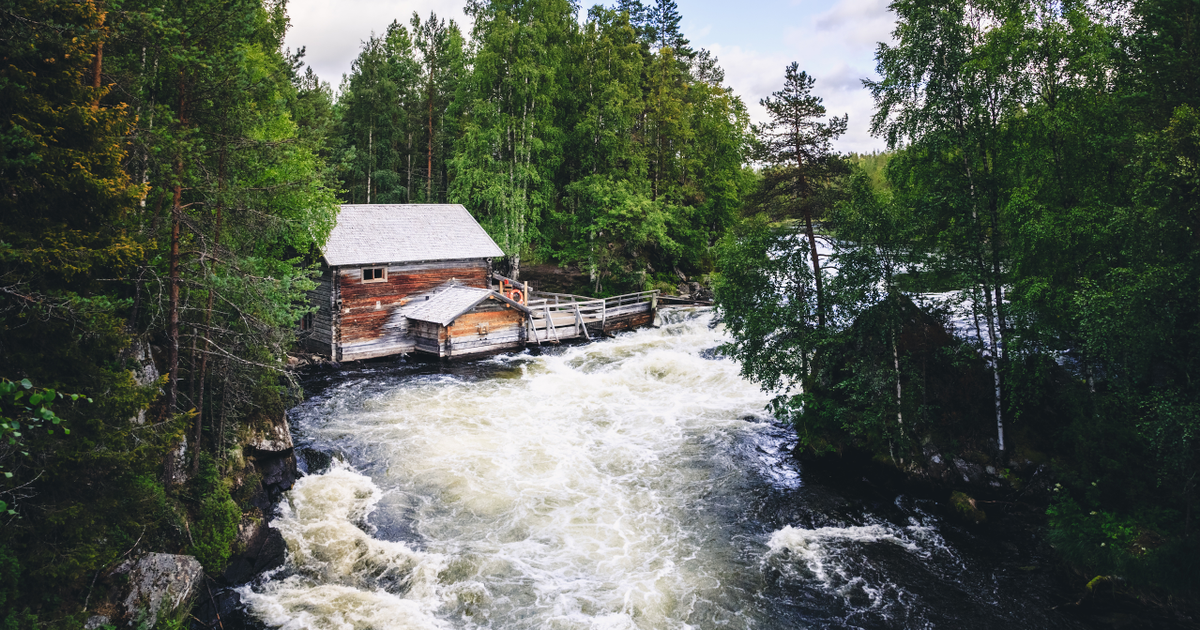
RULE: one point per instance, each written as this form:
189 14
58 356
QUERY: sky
833 40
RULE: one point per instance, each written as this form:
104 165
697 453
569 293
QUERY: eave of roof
451 303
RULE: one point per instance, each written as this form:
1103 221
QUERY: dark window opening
374 274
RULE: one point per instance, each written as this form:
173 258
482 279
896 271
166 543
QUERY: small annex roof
452 302
388 233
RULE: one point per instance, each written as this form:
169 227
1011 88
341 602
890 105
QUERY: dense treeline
169 171
607 143
1044 172
163 194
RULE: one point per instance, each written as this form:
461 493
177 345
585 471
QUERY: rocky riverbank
164 589
1005 507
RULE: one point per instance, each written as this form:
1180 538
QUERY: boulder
263 549
159 585
271 437
272 456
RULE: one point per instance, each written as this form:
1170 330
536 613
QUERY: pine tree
796 146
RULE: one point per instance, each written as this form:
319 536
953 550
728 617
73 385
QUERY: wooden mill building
399 278
417 278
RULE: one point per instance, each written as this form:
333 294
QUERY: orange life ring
515 295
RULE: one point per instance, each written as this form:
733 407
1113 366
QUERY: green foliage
1112 543
1043 168
196 99
215 527
26 413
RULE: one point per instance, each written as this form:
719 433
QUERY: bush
216 522
1130 546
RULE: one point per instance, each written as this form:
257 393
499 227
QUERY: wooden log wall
491 327
429 337
372 314
319 338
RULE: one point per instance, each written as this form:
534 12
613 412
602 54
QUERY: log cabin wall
319 338
371 318
489 327
429 337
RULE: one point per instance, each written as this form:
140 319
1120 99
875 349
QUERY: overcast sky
833 40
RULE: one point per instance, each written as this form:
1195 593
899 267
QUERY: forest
1040 192
170 171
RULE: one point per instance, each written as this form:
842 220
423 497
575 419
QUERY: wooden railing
631 298
551 311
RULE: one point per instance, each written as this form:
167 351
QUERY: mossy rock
966 507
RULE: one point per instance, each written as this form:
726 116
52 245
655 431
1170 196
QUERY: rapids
635 482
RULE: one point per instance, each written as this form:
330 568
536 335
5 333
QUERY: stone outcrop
695 291
263 549
271 457
153 586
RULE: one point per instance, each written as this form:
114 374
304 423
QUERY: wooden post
579 322
550 323
533 328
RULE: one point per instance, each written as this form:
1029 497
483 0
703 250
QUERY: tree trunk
429 162
173 277
801 186
816 265
96 64
989 314
207 323
899 391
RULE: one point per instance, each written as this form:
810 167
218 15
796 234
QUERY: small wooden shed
462 320
382 262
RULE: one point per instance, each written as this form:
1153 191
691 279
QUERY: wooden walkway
557 317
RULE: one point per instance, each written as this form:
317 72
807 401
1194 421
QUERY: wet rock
970 472
271 457
264 549
158 585
221 607
313 462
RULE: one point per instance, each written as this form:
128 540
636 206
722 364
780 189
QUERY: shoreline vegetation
169 172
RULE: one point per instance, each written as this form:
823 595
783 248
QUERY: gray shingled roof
449 304
369 234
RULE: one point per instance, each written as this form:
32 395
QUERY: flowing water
634 482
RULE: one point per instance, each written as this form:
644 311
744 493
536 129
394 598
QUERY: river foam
340 576
565 491
632 483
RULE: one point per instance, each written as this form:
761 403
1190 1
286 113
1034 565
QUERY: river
634 482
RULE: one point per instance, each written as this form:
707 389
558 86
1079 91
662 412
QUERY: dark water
630 483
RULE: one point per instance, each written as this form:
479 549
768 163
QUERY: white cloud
836 47
333 32
862 22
